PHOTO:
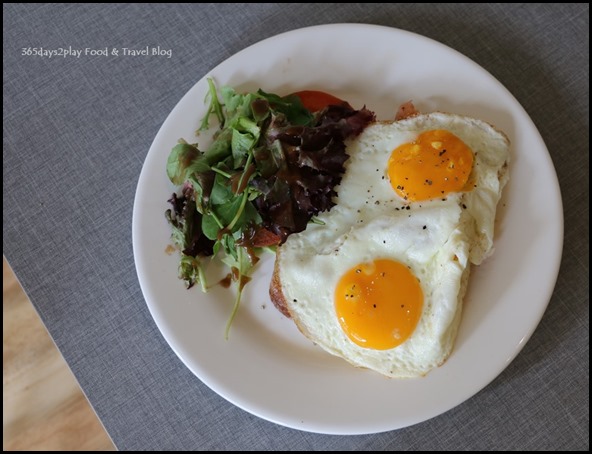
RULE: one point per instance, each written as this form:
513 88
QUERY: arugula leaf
245 134
227 211
181 159
235 104
221 191
241 265
260 109
210 226
214 107
232 215
220 148
202 183
246 213
290 106
228 244
242 143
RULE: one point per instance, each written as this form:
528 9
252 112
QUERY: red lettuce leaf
308 163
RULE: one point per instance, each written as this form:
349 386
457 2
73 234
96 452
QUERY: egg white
437 239
369 190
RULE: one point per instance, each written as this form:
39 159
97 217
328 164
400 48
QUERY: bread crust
275 289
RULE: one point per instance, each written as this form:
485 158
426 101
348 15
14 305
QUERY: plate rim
136 210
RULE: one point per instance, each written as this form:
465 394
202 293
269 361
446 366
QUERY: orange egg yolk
378 304
434 165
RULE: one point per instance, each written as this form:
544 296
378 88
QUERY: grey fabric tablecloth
77 130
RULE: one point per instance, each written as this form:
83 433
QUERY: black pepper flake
374 305
295 300
382 177
399 187
425 227
377 202
377 170
443 200
464 206
407 207
396 209
383 274
383 241
442 152
428 182
402 305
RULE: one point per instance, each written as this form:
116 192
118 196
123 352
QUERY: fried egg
379 280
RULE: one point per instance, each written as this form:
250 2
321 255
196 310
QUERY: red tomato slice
315 100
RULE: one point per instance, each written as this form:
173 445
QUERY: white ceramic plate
267 367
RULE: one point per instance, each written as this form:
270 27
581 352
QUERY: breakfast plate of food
347 229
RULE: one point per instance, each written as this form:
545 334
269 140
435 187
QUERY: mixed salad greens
271 167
